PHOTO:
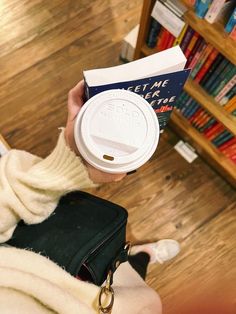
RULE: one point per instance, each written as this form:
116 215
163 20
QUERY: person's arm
31 187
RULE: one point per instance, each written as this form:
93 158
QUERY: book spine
198 54
225 78
159 39
178 40
194 50
213 67
214 10
154 30
188 35
202 7
228 97
229 151
171 41
231 23
232 35
215 132
195 106
201 61
227 144
206 66
226 88
215 75
191 44
228 107
207 125
222 138
165 38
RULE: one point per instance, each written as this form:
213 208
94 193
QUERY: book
164 40
211 58
194 50
191 44
212 68
170 42
222 138
153 33
208 125
227 144
225 77
197 55
129 44
228 86
215 131
4 147
158 78
231 104
218 10
228 96
201 7
175 6
169 20
231 22
187 37
178 39
229 151
207 51
214 77
232 35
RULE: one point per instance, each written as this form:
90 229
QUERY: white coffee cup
116 131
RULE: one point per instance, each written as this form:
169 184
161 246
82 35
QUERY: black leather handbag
85 235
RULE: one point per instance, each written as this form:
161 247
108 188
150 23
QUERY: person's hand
75 102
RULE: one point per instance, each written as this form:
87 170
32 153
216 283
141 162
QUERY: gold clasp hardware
106 293
128 247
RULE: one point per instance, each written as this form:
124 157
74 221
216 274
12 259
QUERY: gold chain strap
106 292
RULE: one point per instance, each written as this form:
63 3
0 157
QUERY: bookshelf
215 35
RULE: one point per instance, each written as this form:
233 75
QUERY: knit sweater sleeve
30 187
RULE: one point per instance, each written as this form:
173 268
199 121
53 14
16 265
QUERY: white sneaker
163 250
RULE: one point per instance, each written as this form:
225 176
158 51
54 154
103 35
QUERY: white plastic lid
116 131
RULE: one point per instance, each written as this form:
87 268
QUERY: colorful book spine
227 144
222 138
159 39
212 69
165 39
214 10
201 60
228 96
232 22
179 39
154 30
231 83
194 50
232 35
206 66
216 74
191 44
187 37
170 41
230 105
226 76
198 54
207 125
202 7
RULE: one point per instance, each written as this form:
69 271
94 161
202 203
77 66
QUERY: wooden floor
44 47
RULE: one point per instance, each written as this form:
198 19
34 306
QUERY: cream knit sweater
29 283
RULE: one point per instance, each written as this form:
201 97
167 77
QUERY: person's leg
159 252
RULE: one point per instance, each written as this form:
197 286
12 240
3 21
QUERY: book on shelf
153 33
4 147
231 22
167 18
158 78
202 59
232 35
206 65
215 75
191 44
218 10
227 87
197 54
187 38
227 98
222 79
201 7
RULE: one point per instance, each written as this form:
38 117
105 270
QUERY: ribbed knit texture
31 187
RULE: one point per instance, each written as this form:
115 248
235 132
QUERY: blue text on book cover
160 91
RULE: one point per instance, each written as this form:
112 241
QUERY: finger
75 100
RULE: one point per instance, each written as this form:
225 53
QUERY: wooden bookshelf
215 35
204 147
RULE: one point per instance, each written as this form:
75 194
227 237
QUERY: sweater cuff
62 170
